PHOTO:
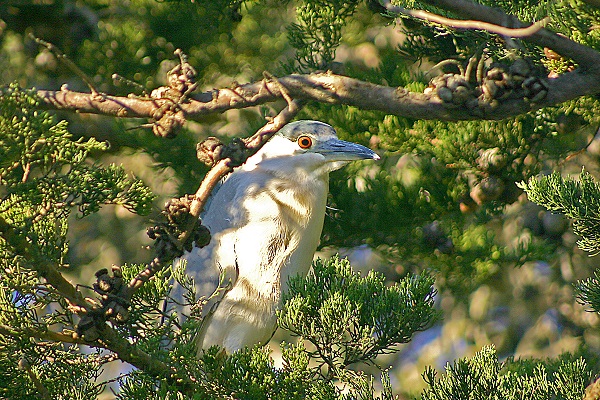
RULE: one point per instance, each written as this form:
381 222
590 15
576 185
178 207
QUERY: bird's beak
339 150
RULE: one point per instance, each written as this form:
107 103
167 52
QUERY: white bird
266 221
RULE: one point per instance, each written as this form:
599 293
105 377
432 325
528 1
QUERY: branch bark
332 89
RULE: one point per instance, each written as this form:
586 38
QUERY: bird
266 220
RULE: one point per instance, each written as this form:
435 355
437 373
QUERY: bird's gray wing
200 263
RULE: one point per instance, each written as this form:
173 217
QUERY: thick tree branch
335 89
332 89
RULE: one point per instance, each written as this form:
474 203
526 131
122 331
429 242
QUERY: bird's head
312 146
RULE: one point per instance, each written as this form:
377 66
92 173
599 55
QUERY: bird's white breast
265 229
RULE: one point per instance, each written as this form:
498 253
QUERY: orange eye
305 142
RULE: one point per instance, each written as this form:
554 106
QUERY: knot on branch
113 304
169 123
179 233
172 237
212 150
169 118
519 80
182 77
454 88
236 151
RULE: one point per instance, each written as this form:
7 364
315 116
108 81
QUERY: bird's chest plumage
260 242
281 234
266 221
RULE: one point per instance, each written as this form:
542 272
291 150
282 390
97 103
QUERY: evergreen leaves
318 31
484 377
44 177
350 318
588 291
578 199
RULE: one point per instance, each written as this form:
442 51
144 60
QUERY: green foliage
149 322
588 291
53 364
350 318
251 374
40 161
484 377
247 374
577 199
44 177
318 31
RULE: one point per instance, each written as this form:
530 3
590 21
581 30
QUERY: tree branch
332 89
465 24
110 340
586 57
45 267
39 334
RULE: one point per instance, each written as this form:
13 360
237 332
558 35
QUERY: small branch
45 267
42 391
129 353
586 57
466 24
70 64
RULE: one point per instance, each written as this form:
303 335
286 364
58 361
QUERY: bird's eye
305 142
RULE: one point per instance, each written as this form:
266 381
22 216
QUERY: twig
466 24
39 334
121 79
44 266
580 151
42 391
70 64
443 63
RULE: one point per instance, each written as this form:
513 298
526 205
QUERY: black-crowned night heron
266 221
